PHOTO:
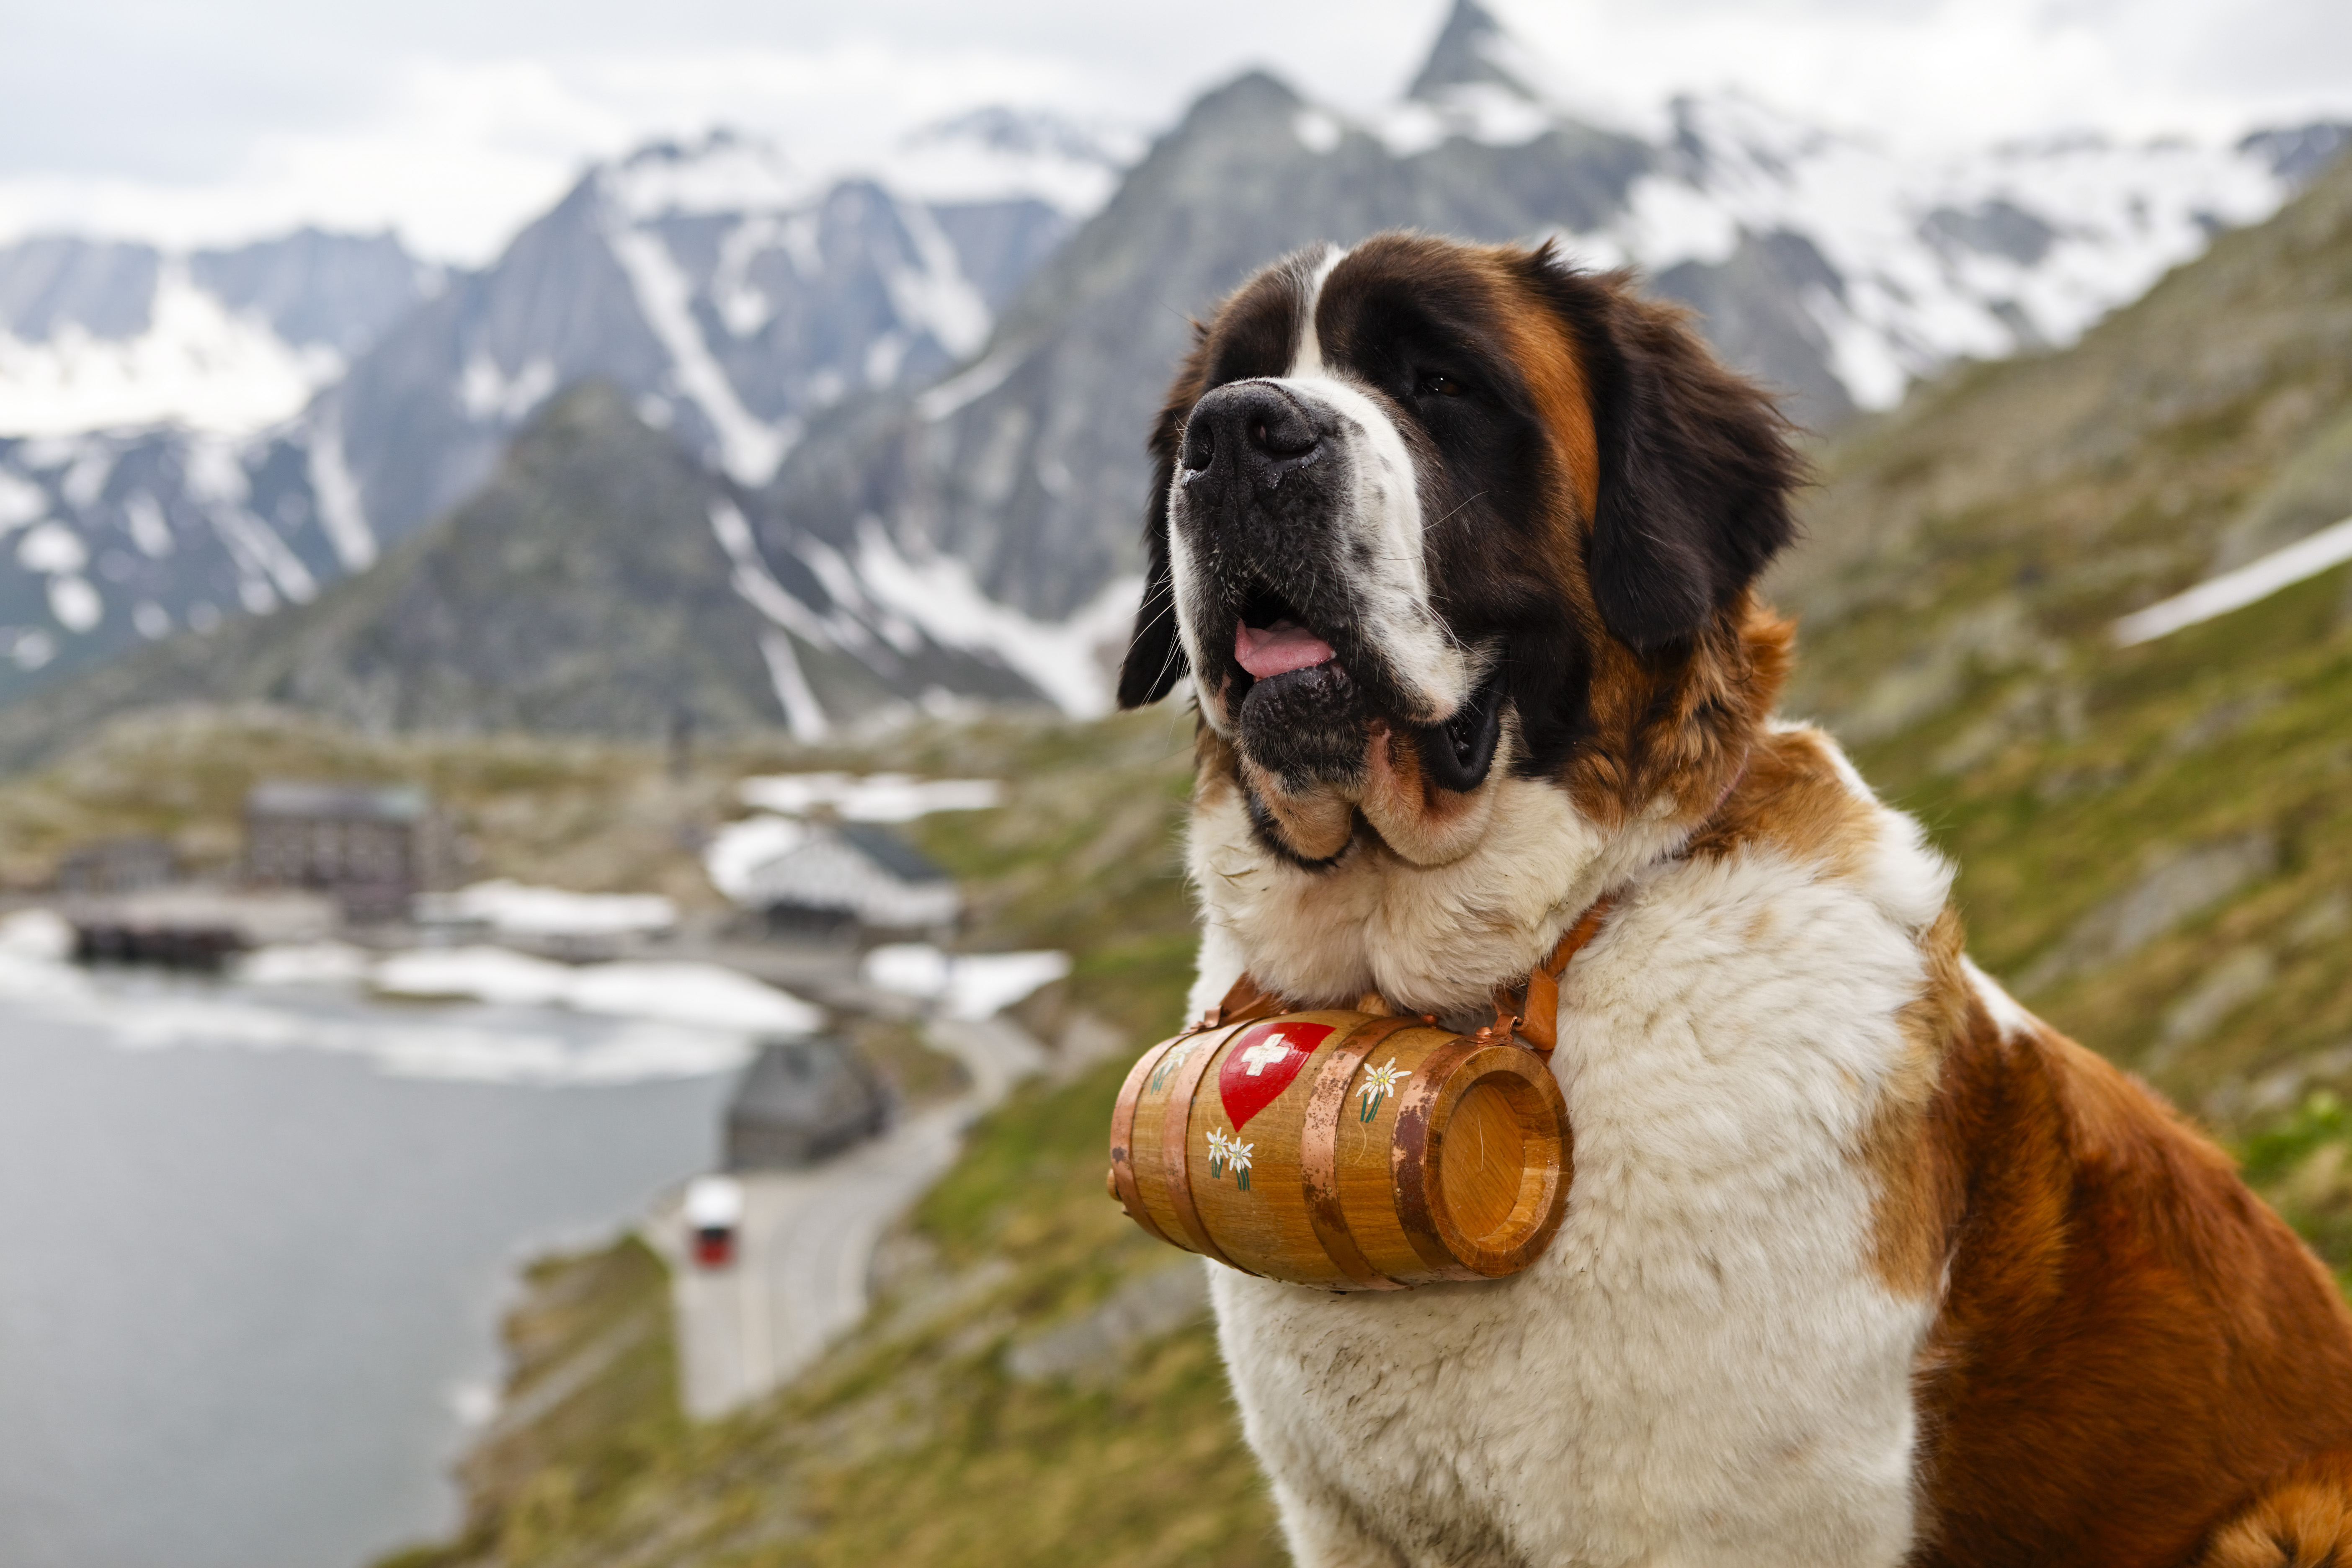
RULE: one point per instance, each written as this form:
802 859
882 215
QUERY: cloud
1951 72
456 121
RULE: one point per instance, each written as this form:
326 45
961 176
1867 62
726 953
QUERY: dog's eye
1432 385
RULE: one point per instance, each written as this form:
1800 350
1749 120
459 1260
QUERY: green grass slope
2155 843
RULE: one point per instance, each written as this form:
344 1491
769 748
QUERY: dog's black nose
1249 431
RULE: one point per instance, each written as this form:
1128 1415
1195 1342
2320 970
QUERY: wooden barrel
1344 1150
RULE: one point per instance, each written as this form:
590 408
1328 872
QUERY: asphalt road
805 1248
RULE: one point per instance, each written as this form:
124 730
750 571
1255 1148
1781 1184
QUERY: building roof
890 852
363 803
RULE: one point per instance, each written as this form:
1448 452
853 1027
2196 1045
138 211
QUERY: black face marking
1693 475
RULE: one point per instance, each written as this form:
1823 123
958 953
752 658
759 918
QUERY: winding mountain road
805 1246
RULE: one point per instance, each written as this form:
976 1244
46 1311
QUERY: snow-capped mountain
920 395
1898 264
1823 262
108 334
729 296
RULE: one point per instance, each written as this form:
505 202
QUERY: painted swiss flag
1261 1063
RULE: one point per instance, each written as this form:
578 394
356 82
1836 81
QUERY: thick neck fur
1667 737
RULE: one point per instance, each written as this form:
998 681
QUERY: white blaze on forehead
1308 360
1388 577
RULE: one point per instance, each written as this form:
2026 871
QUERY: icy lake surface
255 1239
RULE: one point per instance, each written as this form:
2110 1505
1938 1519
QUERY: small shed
854 873
801 1101
373 847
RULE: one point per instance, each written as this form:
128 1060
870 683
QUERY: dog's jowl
1862 1263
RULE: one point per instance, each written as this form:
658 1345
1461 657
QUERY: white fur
1308 360
1703 1367
2009 1015
1433 939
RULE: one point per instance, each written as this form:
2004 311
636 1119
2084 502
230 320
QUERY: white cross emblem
1263 1054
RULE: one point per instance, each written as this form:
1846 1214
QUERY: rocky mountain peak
1468 52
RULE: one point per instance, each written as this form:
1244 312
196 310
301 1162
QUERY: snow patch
2257 580
938 594
936 297
723 174
76 604
740 848
21 502
40 936
490 396
145 516
334 963
870 798
50 548
1316 132
966 985
707 995
518 910
673 1020
804 714
197 364
968 385
750 449
341 513
1003 154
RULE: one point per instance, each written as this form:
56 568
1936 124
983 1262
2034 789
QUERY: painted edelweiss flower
1224 1151
1379 1084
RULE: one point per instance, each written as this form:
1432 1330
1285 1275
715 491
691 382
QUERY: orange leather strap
1534 1011
1529 1011
1246 1000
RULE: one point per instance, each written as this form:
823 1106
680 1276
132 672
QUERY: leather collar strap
1533 1012
1528 1012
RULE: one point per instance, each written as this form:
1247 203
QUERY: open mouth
1271 638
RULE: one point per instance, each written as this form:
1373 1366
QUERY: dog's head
1425 510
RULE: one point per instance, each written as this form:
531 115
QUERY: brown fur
2128 1341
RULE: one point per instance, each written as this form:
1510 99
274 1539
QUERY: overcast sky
457 121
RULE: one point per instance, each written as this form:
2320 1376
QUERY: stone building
801 1101
372 847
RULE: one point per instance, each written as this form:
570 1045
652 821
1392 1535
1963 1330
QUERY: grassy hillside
2155 843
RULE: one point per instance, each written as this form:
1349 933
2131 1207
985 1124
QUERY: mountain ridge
933 408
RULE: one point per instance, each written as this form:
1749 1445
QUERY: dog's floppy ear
1155 654
1696 465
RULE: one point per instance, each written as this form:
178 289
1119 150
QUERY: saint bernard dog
1862 1263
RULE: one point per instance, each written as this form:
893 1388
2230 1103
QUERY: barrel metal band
1410 1155
1318 1151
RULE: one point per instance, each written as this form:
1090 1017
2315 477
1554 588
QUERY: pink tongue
1283 646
